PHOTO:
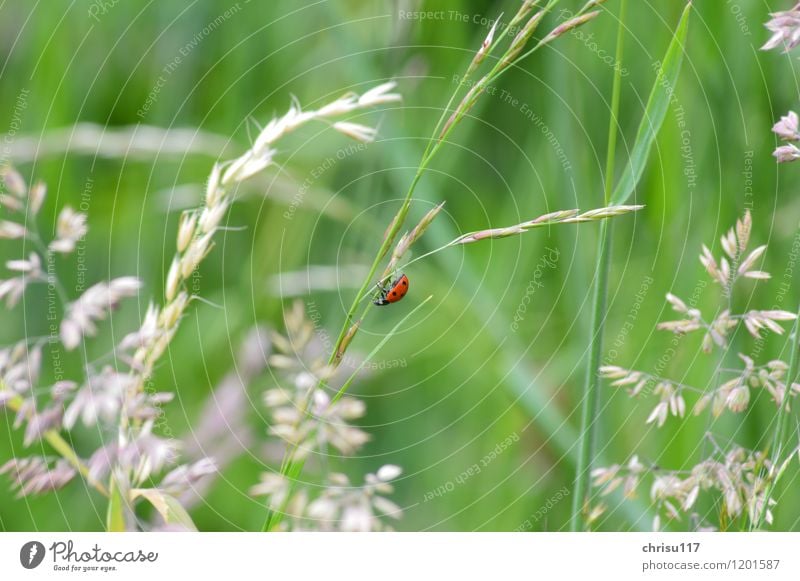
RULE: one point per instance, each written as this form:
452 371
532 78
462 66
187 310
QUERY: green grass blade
275 517
115 517
170 509
654 113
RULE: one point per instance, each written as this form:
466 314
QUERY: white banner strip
390 556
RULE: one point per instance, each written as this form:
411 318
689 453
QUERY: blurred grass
454 399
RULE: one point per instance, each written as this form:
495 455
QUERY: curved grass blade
167 506
115 515
654 112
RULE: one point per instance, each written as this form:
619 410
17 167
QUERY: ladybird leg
381 298
384 288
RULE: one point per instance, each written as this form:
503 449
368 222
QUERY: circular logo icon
31 554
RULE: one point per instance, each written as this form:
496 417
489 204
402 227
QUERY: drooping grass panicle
549 219
785 29
45 410
449 119
560 217
738 477
744 478
198 227
133 464
312 423
787 130
408 239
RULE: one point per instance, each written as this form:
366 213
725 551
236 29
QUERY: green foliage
464 381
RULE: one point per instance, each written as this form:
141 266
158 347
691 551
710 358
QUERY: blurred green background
465 380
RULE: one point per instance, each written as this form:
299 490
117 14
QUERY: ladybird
394 292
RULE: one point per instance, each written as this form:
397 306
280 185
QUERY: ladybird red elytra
394 292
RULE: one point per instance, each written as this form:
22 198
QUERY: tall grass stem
776 449
590 413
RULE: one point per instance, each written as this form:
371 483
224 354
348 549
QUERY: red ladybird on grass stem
394 292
